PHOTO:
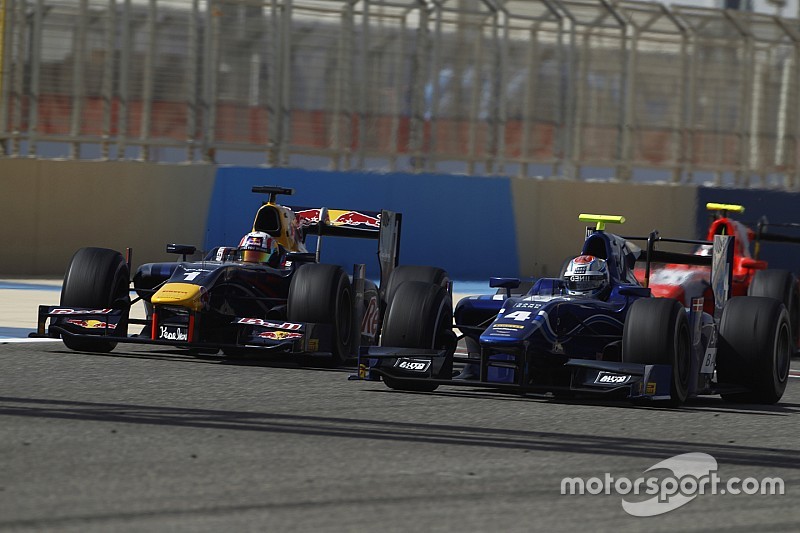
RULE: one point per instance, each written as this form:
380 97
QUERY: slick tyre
656 332
97 278
401 274
782 286
420 316
755 349
323 294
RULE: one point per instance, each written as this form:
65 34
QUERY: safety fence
587 89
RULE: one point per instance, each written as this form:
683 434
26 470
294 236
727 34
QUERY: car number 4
521 316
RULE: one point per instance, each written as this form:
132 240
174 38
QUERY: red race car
751 276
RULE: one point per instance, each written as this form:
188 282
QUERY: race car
596 331
751 276
269 293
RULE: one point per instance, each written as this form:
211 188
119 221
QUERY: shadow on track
380 430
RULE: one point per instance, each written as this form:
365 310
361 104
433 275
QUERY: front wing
103 325
589 377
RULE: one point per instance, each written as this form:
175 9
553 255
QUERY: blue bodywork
556 328
547 341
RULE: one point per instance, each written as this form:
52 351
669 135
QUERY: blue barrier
777 206
463 224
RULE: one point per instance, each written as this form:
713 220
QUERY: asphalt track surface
149 439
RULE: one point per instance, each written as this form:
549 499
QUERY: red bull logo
354 218
91 324
308 216
280 335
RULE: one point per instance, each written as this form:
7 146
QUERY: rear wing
383 226
719 258
762 234
338 222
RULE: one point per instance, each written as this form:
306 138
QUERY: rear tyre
656 332
755 349
322 294
97 278
782 286
420 316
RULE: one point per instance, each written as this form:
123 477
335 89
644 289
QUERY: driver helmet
586 275
259 247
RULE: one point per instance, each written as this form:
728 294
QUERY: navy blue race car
594 331
270 294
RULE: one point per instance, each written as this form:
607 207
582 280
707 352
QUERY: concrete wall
472 226
49 209
547 212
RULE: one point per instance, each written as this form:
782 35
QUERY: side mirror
182 249
504 283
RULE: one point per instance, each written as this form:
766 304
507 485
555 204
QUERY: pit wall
472 226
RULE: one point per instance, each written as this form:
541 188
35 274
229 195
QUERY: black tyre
97 278
420 316
657 333
322 294
755 348
782 286
401 274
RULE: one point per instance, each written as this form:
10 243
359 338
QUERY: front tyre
97 278
755 349
656 332
322 294
420 316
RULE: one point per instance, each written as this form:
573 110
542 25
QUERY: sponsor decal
80 311
651 387
308 216
173 333
369 324
354 218
413 365
607 378
280 335
528 305
267 324
91 324
313 345
508 326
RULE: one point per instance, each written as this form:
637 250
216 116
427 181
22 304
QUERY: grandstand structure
579 89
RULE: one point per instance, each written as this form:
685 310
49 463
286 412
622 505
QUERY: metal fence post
193 56
35 76
20 25
78 85
107 88
627 117
123 89
211 67
147 83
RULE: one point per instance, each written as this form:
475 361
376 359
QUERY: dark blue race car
563 338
